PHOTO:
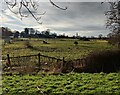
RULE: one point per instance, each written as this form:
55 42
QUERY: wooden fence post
62 64
39 61
63 59
8 58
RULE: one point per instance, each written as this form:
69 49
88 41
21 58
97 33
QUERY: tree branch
57 5
28 5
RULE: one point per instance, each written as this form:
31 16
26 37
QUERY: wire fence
32 63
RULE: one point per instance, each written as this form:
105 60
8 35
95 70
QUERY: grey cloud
80 28
83 17
80 16
77 12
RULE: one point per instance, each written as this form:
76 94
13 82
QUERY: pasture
58 48
50 83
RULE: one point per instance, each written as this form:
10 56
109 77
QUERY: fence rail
23 56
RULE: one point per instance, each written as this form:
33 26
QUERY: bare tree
31 6
113 22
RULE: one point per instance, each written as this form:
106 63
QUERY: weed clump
76 43
28 45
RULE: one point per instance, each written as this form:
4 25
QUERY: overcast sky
84 18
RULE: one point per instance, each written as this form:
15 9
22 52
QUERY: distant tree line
32 33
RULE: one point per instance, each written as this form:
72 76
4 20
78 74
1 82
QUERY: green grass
72 83
57 48
59 84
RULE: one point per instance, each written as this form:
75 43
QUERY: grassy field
59 84
62 84
58 48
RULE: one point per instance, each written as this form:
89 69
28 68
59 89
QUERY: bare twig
28 5
57 5
11 5
37 19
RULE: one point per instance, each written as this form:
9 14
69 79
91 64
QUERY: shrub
67 67
76 43
102 61
44 42
84 39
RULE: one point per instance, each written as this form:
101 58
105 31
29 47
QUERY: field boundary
38 61
42 62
